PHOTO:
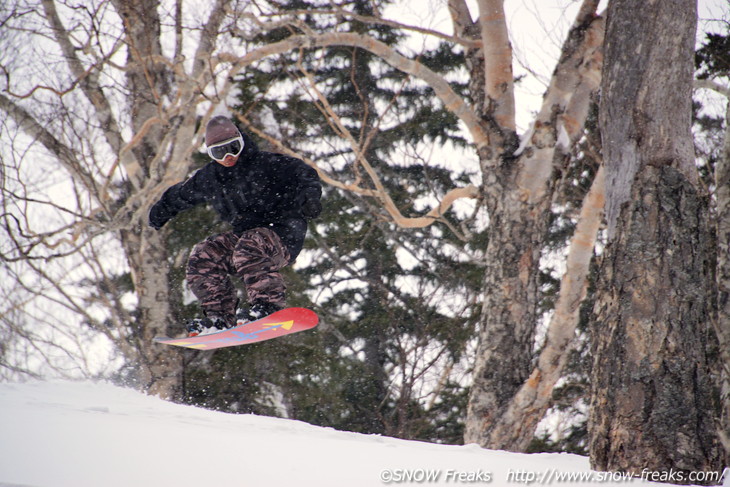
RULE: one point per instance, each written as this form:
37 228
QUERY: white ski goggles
231 147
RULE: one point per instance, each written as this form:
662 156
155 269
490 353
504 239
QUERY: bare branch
208 38
498 77
461 18
451 100
290 18
565 105
709 84
88 80
65 154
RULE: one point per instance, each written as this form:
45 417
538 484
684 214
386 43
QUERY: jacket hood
249 146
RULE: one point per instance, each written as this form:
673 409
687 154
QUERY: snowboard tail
282 323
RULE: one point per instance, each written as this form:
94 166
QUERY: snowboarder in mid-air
267 198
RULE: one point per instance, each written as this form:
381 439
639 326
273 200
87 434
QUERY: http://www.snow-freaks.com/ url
547 476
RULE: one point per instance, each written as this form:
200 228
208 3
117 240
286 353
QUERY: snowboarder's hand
158 215
311 207
156 225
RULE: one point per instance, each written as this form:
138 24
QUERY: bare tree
519 189
112 111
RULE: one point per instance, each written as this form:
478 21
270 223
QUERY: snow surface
94 434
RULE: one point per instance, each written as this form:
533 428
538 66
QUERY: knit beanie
220 128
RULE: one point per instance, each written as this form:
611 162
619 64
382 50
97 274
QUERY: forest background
453 267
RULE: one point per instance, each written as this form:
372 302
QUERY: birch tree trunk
651 398
518 187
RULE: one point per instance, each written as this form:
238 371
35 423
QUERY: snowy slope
98 435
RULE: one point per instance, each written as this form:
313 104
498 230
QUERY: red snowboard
284 322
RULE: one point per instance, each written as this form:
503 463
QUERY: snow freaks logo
422 476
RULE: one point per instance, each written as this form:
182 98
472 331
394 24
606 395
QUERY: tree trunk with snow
515 427
651 398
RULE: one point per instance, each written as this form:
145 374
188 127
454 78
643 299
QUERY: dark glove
311 206
156 225
157 217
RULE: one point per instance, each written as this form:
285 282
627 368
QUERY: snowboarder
267 198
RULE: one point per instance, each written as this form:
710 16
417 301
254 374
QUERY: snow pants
256 256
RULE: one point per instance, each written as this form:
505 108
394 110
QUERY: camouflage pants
255 257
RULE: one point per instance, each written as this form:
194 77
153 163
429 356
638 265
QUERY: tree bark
651 397
158 368
651 403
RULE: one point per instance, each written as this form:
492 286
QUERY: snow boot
206 326
258 310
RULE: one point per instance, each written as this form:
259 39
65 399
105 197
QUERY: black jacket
263 189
